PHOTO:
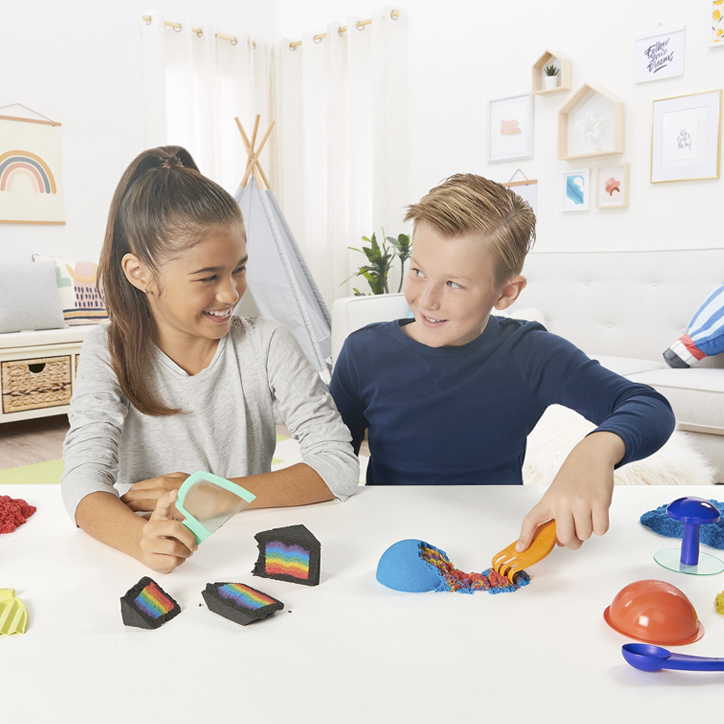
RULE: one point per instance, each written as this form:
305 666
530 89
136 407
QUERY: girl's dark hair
162 206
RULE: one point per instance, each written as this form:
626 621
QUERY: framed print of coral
660 55
510 128
31 187
576 190
686 138
717 23
612 187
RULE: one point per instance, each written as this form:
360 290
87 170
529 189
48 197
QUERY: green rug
39 474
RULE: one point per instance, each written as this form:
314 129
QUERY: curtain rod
394 14
199 31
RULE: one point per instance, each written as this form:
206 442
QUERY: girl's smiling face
196 291
451 288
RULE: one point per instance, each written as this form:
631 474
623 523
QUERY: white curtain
195 84
341 104
337 158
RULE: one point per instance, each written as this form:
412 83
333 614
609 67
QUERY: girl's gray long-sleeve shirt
226 426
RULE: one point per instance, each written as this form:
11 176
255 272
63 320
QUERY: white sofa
622 308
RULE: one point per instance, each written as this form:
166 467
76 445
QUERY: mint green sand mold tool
207 501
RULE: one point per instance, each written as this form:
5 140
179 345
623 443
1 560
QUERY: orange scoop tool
509 561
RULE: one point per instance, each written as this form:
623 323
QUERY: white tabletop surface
350 650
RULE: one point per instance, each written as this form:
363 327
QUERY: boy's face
451 288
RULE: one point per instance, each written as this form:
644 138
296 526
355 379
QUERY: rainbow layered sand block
147 605
239 603
289 554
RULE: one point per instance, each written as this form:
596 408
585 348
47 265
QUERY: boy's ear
136 271
510 292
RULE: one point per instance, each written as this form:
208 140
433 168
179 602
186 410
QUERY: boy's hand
143 496
579 497
165 542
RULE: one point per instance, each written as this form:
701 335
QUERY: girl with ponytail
176 382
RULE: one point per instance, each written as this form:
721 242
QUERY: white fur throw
560 429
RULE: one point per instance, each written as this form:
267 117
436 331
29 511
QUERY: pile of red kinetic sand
13 513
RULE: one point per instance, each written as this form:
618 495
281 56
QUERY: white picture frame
686 137
510 128
660 54
576 190
612 186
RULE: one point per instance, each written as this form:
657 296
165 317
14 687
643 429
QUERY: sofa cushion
627 366
76 281
696 396
29 297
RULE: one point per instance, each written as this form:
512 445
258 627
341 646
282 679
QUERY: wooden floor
41 440
32 441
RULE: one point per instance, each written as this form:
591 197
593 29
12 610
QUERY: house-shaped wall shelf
538 73
590 124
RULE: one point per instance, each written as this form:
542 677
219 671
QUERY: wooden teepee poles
253 164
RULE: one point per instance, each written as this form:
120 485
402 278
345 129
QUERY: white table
349 650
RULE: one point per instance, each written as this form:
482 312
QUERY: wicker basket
33 384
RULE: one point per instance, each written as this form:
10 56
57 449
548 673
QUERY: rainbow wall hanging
31 190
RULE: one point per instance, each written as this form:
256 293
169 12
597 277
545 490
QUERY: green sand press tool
207 501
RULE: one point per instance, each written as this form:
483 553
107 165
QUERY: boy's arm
160 542
580 495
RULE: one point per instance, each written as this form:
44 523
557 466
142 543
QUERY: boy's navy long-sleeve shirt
461 415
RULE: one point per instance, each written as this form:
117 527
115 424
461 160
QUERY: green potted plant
551 78
380 259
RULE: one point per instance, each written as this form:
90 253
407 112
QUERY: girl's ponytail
162 204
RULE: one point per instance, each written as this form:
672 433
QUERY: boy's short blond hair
469 204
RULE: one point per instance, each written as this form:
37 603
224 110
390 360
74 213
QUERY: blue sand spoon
647 657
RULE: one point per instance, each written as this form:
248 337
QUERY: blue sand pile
710 535
415 566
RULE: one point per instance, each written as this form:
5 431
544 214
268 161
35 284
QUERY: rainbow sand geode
289 554
415 566
147 605
239 603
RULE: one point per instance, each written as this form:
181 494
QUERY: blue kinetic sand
659 521
414 566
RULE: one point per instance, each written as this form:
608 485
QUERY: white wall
78 62
466 52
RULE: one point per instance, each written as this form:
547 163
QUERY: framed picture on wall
612 187
576 190
686 137
660 54
527 190
510 128
717 23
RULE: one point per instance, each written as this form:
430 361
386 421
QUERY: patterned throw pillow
76 282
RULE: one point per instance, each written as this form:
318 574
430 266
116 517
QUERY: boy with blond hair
449 397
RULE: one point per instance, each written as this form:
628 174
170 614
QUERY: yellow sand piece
719 603
13 614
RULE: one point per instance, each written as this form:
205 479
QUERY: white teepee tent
278 277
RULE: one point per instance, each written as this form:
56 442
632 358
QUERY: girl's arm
161 543
296 485
330 468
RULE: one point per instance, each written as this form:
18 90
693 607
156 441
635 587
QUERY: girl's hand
143 496
165 542
580 495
